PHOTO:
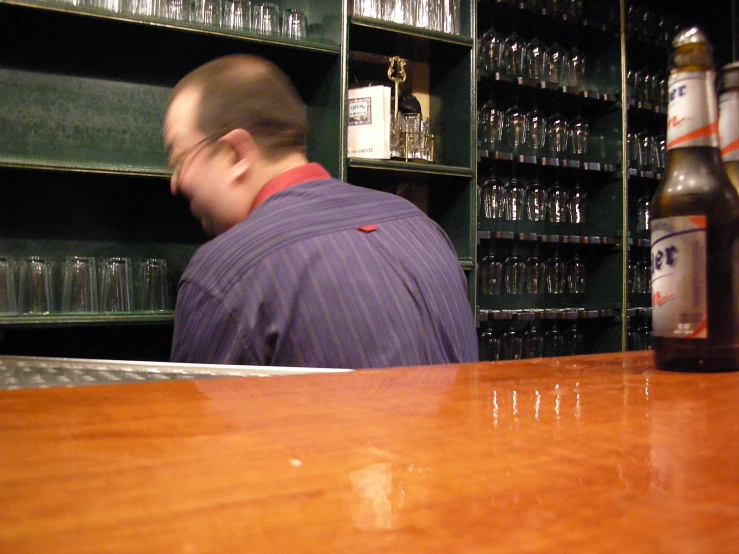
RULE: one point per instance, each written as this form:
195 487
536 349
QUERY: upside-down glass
491 273
555 273
237 14
116 285
513 271
411 126
79 285
178 10
576 204
265 18
493 198
536 61
152 294
553 342
643 213
8 303
536 201
514 132
35 288
576 68
579 132
294 23
514 54
489 344
557 135
206 12
533 343
576 275
556 204
515 200
574 341
367 8
491 49
490 125
558 61
534 273
536 127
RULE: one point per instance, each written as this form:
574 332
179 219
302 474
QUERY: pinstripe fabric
297 284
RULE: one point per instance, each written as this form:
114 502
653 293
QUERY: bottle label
679 288
728 125
692 114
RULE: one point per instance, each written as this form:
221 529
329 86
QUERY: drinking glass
643 219
152 293
558 61
556 204
513 271
451 16
644 147
116 285
515 200
79 285
265 18
179 10
535 60
534 273
576 68
515 128
576 204
8 303
493 198
553 342
557 135
512 344
35 286
643 276
490 125
514 54
489 345
491 49
579 131
206 12
536 201
294 23
576 275
491 273
574 341
392 10
555 273
397 140
536 125
237 14
411 126
367 8
533 343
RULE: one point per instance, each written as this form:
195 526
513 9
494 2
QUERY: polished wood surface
589 454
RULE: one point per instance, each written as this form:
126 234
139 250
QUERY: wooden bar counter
595 453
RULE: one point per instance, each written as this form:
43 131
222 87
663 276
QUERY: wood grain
588 454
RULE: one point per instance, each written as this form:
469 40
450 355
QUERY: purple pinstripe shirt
297 283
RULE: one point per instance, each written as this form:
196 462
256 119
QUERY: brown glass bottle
728 125
695 226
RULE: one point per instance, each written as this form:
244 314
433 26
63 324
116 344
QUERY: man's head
231 126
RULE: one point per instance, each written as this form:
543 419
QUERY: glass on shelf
533 343
490 124
558 133
513 272
489 344
579 133
576 204
514 54
492 203
553 342
536 61
515 200
643 216
491 50
576 275
558 61
575 68
536 123
556 204
514 132
534 273
555 273
536 201
573 341
512 344
491 273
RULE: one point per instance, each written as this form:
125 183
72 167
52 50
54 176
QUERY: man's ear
244 148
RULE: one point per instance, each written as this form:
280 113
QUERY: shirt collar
291 177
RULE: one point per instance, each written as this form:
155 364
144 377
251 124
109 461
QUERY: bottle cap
729 76
693 35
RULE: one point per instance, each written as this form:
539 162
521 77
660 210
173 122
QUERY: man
304 270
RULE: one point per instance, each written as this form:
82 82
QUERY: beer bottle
728 121
695 226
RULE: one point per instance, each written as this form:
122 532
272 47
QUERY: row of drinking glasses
515 344
645 23
262 17
411 137
86 287
643 86
517 130
514 201
647 152
533 59
437 15
534 275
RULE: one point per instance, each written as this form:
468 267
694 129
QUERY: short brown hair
241 91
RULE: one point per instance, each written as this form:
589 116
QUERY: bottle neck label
728 126
692 114
679 285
